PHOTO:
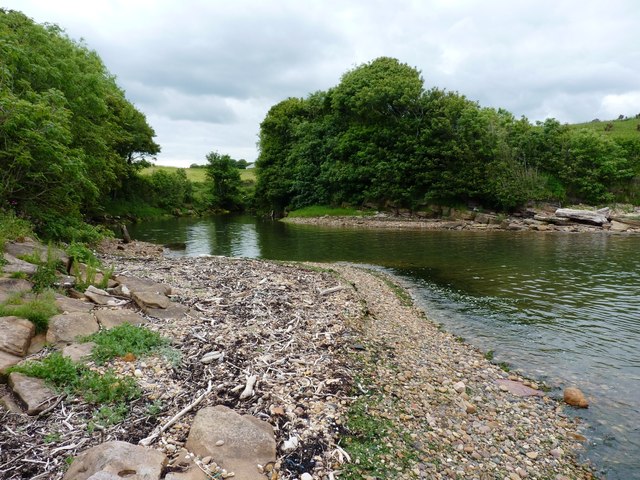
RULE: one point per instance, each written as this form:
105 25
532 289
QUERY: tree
225 182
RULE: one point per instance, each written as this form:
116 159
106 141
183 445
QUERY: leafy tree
225 182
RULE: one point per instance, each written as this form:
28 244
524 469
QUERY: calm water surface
564 308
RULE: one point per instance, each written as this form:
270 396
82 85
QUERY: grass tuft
38 310
124 339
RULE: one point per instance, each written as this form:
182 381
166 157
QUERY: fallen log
600 217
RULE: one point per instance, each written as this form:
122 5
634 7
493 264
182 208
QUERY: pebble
137 372
219 443
459 387
306 476
557 452
532 455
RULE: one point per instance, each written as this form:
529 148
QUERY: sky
205 73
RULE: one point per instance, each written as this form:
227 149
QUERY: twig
158 431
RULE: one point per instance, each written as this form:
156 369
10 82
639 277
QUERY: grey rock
8 402
7 360
38 342
15 335
135 284
619 226
72 305
32 393
248 442
112 318
175 311
78 351
150 299
67 327
117 460
29 247
99 296
15 265
12 286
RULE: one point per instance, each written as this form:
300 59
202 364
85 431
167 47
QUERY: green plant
108 415
154 408
90 275
52 437
504 366
12 228
37 309
124 339
170 354
79 252
321 211
489 355
20 275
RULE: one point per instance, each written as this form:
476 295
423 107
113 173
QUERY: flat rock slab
78 351
68 327
8 402
135 284
112 318
38 342
15 335
237 443
72 305
117 460
32 393
29 247
518 389
15 265
101 297
7 360
150 299
11 286
175 311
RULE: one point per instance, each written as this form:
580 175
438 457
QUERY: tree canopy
68 135
379 137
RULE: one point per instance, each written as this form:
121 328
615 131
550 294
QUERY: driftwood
599 217
125 234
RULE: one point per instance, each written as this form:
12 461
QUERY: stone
619 227
8 402
12 286
38 342
135 284
117 460
7 360
15 335
78 351
459 387
556 453
15 265
575 398
31 393
175 311
101 297
72 305
248 441
532 455
68 327
29 247
518 388
470 408
112 318
146 299
306 476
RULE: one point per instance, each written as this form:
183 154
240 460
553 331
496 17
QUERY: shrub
124 339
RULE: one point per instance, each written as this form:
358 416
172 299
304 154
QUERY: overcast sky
206 72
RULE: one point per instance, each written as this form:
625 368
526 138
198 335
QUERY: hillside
628 128
198 175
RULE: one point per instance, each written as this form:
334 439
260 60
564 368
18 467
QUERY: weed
52 437
489 355
170 354
90 275
108 415
20 275
66 375
79 252
155 408
124 339
38 310
504 366
459 339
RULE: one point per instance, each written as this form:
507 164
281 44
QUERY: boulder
237 443
15 265
619 226
67 327
78 351
575 398
12 286
32 393
38 342
7 360
112 318
29 247
101 297
117 460
72 305
599 217
175 311
15 335
148 299
135 284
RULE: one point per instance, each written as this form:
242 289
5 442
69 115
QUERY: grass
122 340
38 310
321 211
79 252
65 375
108 415
12 228
199 175
90 275
627 128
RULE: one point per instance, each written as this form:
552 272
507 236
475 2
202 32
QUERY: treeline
380 138
69 138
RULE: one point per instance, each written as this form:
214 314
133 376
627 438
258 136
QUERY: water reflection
560 306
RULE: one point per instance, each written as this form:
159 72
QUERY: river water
563 308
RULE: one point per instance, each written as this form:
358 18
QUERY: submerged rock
575 398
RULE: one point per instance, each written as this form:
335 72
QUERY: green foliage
379 138
79 252
108 415
124 339
64 374
88 276
13 228
320 211
63 120
225 182
37 309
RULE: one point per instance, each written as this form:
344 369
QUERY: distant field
620 128
198 175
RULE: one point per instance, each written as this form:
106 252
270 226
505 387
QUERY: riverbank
534 220
353 379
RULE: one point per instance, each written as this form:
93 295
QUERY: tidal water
563 308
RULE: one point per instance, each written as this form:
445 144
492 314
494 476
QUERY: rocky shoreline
539 220
349 377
